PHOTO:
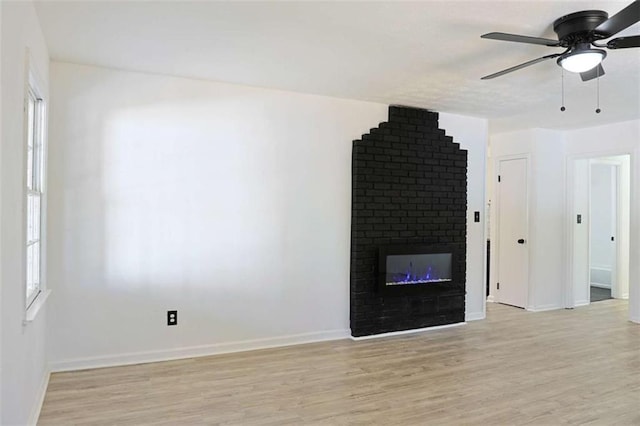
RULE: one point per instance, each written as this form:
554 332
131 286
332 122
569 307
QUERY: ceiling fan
577 32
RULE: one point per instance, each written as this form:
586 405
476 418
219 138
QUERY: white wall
580 232
547 219
230 204
1 225
23 361
472 135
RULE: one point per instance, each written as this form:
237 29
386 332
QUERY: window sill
36 306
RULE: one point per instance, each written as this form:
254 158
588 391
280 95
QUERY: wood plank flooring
578 366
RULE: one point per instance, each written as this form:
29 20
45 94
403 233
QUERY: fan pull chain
562 108
598 90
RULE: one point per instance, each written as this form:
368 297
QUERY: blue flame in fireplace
427 275
411 276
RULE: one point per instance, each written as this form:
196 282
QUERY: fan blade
621 20
624 42
520 39
517 67
595 72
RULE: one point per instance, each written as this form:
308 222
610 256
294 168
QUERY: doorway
601 206
603 189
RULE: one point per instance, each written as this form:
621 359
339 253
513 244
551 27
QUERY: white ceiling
427 54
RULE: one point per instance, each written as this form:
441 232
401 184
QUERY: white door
513 256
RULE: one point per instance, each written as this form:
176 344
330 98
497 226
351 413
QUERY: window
34 190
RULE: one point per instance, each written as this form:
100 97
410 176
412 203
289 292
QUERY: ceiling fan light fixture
581 60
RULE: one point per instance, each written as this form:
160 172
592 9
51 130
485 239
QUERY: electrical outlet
172 317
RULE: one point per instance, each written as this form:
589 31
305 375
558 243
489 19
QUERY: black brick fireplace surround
409 187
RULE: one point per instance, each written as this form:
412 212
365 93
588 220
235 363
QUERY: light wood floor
578 366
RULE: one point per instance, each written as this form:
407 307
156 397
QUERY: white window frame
34 163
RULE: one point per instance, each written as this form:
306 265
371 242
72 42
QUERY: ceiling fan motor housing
577 27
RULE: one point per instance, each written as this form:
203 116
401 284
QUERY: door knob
521 241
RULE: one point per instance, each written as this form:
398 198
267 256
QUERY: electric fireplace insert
411 268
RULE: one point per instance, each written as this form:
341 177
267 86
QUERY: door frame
494 295
569 293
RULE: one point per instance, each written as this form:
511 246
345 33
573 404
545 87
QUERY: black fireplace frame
426 288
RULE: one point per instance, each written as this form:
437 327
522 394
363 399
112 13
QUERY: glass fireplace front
413 269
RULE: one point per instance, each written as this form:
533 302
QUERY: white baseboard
604 275
42 391
543 308
474 316
196 351
413 331
490 299
581 303
634 319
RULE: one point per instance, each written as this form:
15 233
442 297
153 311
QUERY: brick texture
409 186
